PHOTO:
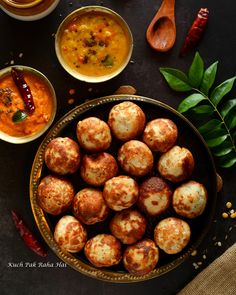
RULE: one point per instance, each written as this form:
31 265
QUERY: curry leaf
176 79
216 132
196 71
223 149
233 123
209 78
220 91
228 160
216 141
190 101
230 120
209 126
203 110
216 121
227 106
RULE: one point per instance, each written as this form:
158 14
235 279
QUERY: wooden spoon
161 33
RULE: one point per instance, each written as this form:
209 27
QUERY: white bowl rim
93 79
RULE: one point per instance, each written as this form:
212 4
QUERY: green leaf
216 132
209 126
196 70
233 123
227 106
228 160
176 79
225 148
216 141
19 116
203 110
221 90
107 61
209 78
190 101
230 120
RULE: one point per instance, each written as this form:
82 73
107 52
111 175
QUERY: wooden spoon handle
167 8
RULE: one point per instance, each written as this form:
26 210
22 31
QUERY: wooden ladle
161 33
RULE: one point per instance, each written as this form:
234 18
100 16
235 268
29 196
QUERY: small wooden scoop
161 33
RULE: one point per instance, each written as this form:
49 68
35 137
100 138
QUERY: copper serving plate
204 172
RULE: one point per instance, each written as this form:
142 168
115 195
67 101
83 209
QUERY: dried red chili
27 235
24 89
195 33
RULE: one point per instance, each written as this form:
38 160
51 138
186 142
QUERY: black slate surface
21 271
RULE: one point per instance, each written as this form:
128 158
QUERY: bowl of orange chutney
93 44
27 104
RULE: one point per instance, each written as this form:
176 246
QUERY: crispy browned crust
186 164
168 131
128 226
135 158
98 168
55 194
130 116
71 237
145 249
158 190
103 250
171 236
185 205
62 156
89 206
118 194
93 134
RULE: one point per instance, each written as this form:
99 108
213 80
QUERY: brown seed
219 182
126 89
71 101
72 91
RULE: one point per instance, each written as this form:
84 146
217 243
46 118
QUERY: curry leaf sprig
214 116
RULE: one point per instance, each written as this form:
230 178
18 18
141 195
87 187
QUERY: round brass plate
204 172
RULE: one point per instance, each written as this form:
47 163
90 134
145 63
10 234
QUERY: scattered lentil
204 256
195 265
225 215
132 62
12 62
199 263
90 89
233 215
229 205
20 55
219 244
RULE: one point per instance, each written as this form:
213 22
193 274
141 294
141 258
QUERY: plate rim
39 215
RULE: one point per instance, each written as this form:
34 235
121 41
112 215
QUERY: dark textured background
35 40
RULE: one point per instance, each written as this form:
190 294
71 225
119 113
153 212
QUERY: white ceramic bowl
77 13
28 138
